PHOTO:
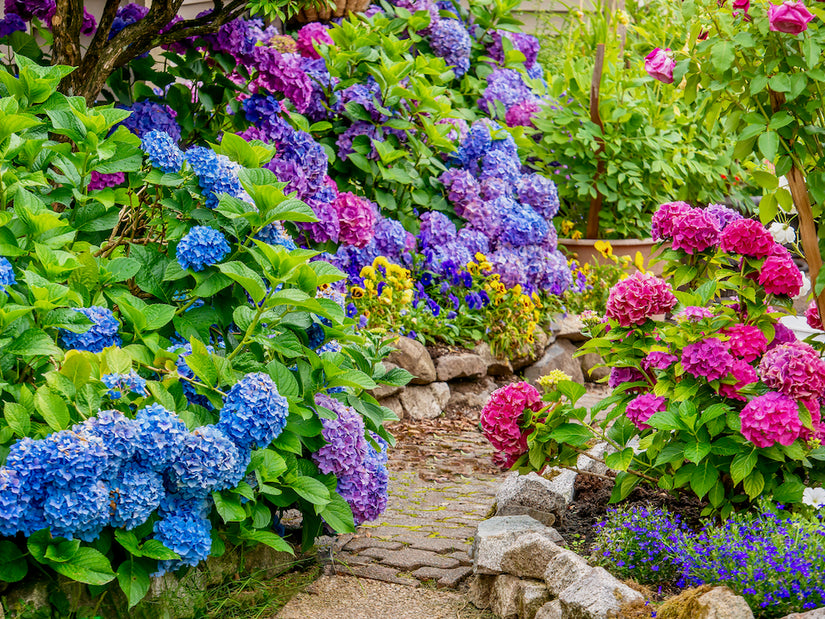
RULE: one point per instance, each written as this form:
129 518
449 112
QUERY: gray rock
535 492
461 365
471 394
598 595
546 518
722 603
31 596
504 597
540 343
564 569
495 536
479 590
424 401
496 366
817 613
585 463
569 328
386 391
558 357
592 368
529 556
551 610
413 357
532 597
394 404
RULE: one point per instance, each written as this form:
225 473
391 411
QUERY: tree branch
67 22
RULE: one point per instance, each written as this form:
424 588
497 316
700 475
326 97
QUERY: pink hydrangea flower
789 17
659 64
501 415
771 418
357 217
812 316
747 237
708 358
658 360
744 375
694 230
746 342
664 219
310 34
779 273
102 181
693 313
795 369
643 407
639 297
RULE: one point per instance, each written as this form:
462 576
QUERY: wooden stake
596 202
807 230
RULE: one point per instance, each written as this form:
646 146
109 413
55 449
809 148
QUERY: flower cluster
201 247
102 333
162 151
121 384
501 416
641 296
149 116
346 448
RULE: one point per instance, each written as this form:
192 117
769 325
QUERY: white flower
782 233
806 287
814 497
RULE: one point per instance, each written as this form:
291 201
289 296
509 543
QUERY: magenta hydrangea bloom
812 316
501 415
746 342
747 237
664 219
310 34
346 446
781 335
694 230
620 375
102 181
643 407
357 217
639 297
658 360
771 418
780 275
708 358
794 369
521 114
694 313
744 374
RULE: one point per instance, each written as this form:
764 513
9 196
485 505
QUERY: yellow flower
380 261
576 235
481 257
566 226
370 286
517 289
472 268
357 292
394 270
604 248
550 381
406 297
639 261
485 266
367 272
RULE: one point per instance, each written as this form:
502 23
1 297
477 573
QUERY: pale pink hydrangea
693 313
771 418
501 415
708 358
694 231
744 375
794 369
746 342
665 218
643 407
812 316
357 218
747 237
639 297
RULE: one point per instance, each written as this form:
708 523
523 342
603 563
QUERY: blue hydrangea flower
160 436
333 346
501 165
216 174
187 534
77 511
149 116
6 274
346 448
14 501
276 234
118 433
72 459
207 461
315 335
126 16
136 493
10 24
436 230
119 384
450 40
475 144
201 247
521 225
102 333
162 151
254 413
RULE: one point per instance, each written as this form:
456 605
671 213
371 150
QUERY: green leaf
310 489
134 581
18 418
625 483
620 460
754 484
229 507
789 492
769 144
573 391
246 277
155 549
52 408
284 379
274 541
88 565
352 378
338 515
572 433
13 566
704 478
158 315
696 452
31 343
742 465
722 55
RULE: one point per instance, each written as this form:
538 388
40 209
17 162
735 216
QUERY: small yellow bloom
472 268
485 266
517 289
566 226
406 297
381 261
639 261
551 381
357 292
367 273
370 286
481 257
604 248
576 235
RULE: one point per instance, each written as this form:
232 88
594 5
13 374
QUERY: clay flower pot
320 11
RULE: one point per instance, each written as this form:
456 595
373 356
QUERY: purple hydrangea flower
346 447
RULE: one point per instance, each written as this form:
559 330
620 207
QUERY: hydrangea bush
710 391
175 371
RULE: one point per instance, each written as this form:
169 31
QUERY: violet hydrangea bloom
506 86
346 447
449 40
769 419
281 73
635 299
149 116
723 215
658 360
436 230
365 490
99 181
693 313
10 24
621 375
521 114
527 44
708 358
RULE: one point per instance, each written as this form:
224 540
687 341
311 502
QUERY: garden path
409 563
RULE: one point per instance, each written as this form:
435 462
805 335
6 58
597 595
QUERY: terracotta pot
585 251
322 12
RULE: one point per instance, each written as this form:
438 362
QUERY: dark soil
592 504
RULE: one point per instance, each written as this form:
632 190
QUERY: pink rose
659 65
791 17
